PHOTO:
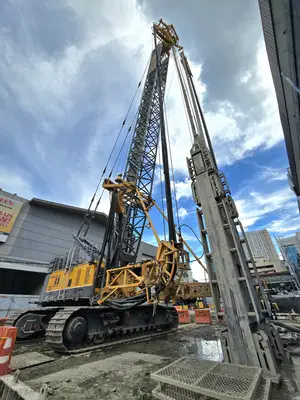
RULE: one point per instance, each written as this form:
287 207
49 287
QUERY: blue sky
68 73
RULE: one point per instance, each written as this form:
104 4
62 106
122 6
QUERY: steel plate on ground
217 380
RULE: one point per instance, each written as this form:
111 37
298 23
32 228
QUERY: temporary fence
203 317
184 316
8 336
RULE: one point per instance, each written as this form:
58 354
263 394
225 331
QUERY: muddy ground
123 372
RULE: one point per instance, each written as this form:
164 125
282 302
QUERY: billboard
9 210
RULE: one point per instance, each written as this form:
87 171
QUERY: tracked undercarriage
32 323
78 329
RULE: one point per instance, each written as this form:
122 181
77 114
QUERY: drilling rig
115 296
112 297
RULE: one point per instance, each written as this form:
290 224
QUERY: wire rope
188 226
161 190
117 140
172 170
185 109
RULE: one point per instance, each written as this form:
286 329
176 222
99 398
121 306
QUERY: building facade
281 26
290 249
261 245
35 233
264 252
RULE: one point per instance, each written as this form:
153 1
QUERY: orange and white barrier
203 317
8 336
184 316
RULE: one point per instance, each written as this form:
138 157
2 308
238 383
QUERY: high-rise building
290 249
264 252
261 245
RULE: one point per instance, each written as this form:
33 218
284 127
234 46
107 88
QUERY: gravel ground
123 372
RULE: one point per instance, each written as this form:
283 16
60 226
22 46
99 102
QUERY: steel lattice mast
141 160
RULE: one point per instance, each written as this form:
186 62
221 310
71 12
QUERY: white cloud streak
182 212
13 182
273 174
50 90
259 205
183 189
231 142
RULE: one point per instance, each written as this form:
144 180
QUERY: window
56 281
70 282
291 253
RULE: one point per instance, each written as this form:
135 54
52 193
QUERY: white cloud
249 221
223 124
260 204
285 225
86 196
198 272
50 85
12 182
246 77
273 174
50 89
183 189
182 212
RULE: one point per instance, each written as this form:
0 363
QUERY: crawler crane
112 297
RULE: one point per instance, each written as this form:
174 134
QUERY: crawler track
31 323
12 319
55 334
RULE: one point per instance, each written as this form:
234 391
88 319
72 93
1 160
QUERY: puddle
206 349
209 349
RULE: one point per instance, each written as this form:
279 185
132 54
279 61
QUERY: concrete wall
264 265
39 233
146 251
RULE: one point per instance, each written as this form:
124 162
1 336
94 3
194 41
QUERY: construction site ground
123 371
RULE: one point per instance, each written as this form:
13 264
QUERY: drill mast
141 160
249 340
